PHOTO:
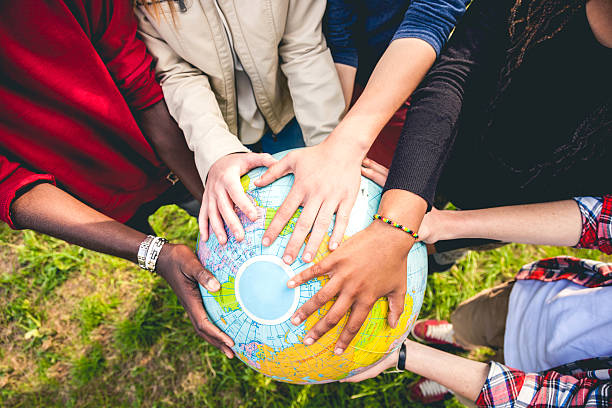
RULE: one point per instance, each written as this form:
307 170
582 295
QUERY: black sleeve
429 130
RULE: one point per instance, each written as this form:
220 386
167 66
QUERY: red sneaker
434 332
427 391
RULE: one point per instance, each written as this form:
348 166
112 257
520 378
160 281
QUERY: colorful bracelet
396 225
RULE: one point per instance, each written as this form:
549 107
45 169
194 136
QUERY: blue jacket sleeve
431 21
341 19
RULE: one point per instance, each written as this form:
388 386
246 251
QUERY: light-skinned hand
326 182
224 192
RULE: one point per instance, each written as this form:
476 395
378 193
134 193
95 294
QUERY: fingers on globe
329 321
216 222
359 313
203 218
396 306
282 217
321 225
274 172
314 271
325 294
193 305
240 199
230 217
342 220
302 228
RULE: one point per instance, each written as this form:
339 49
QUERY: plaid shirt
585 383
596 223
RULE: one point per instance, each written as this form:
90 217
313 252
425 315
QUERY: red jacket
71 72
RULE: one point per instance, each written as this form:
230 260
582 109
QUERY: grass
81 329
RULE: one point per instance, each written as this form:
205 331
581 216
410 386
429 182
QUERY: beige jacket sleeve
191 102
307 63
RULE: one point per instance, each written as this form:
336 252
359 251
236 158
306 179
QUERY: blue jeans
289 138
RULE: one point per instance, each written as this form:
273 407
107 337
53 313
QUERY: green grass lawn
87 330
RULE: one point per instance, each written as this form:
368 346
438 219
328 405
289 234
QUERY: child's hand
223 191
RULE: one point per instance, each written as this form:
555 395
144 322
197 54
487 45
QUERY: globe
254 304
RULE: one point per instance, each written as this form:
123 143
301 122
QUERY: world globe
254 304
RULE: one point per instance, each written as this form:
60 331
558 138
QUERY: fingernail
287 259
228 354
307 257
238 236
266 241
338 351
296 320
333 245
291 284
308 341
213 285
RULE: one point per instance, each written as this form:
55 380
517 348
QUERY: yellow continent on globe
318 361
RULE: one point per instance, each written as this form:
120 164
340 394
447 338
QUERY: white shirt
251 123
555 323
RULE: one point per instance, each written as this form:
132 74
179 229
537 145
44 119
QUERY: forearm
168 141
462 376
47 209
556 223
347 75
397 74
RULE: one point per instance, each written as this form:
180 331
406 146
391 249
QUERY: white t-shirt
555 323
251 123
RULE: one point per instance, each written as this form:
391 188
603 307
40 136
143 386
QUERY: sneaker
439 332
427 391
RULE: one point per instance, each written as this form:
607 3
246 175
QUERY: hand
374 171
180 267
361 271
326 182
223 191
384 364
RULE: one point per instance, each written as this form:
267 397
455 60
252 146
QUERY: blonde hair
154 8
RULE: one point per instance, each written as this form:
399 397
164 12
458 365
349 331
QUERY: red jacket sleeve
125 55
13 177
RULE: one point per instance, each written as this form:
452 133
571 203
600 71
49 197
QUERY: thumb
396 308
274 172
206 279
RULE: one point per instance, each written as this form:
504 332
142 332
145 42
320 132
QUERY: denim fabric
289 138
359 31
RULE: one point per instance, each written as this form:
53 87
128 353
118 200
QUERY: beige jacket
282 49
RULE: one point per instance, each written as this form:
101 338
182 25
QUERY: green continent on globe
271 211
226 296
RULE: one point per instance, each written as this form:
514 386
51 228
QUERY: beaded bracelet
396 225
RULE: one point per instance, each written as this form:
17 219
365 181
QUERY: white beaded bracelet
142 251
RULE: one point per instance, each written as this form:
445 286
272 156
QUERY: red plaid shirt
585 383
596 223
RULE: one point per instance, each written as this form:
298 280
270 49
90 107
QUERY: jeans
289 138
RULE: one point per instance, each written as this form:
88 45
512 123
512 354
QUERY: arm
460 375
340 19
167 140
47 209
131 66
497 385
360 275
311 76
193 104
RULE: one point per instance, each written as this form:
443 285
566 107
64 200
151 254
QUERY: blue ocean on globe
254 304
